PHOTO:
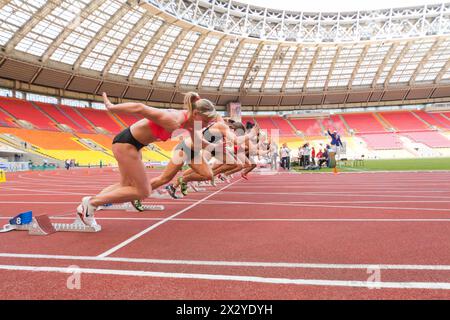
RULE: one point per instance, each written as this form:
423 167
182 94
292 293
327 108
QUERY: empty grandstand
293 73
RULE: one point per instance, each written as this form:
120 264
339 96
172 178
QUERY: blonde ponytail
192 101
189 100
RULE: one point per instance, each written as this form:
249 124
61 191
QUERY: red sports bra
162 134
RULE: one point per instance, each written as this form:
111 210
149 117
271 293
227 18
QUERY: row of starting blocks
129 208
42 225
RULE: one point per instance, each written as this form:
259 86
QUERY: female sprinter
226 160
157 125
218 135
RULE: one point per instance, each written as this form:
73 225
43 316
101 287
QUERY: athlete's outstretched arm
154 114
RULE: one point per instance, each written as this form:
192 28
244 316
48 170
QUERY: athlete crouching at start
156 125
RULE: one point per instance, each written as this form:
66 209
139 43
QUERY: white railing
14 166
235 18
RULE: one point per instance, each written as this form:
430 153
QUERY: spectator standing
301 152
306 153
274 156
285 157
313 156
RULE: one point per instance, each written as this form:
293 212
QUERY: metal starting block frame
129 208
42 226
199 189
156 195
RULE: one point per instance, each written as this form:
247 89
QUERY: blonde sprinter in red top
156 125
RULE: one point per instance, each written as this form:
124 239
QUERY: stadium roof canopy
227 50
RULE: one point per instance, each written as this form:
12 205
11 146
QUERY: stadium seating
381 141
363 122
444 118
127 119
63 145
101 119
57 115
432 139
309 127
45 139
335 122
81 123
266 123
403 121
284 127
24 110
100 139
83 157
431 118
5 120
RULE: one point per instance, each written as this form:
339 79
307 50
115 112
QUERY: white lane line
362 207
218 277
348 190
140 234
262 219
231 263
48 191
214 202
372 172
337 194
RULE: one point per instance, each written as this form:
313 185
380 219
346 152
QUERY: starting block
42 225
157 195
197 189
128 207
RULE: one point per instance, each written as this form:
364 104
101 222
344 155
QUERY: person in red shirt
321 157
313 156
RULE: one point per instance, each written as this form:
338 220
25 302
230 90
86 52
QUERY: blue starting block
42 225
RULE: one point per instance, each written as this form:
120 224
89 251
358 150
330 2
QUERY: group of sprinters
209 136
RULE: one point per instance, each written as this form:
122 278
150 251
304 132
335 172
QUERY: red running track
284 236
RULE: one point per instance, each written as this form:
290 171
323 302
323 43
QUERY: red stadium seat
432 119
403 121
101 118
76 118
444 117
6 120
284 127
266 123
127 119
309 127
24 110
382 141
334 122
432 139
363 122
57 115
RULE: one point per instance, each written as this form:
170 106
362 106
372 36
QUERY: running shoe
137 204
86 212
171 191
183 186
